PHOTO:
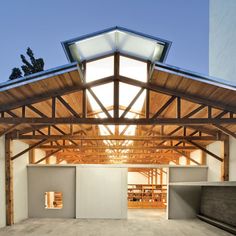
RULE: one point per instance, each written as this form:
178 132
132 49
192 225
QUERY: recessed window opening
53 200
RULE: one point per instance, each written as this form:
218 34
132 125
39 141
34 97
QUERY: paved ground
139 223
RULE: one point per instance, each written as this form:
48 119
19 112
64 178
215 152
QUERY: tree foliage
16 73
29 67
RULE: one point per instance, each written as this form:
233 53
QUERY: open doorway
147 193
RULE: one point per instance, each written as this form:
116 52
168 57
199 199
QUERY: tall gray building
222 39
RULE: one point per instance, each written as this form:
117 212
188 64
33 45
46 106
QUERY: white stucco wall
214 171
137 178
2 183
196 155
20 184
183 160
39 153
222 37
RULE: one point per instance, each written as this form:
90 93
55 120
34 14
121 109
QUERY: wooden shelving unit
146 196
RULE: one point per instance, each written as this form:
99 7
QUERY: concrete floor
139 223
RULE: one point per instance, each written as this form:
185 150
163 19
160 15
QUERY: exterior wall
47 179
2 183
222 57
20 184
222 47
137 178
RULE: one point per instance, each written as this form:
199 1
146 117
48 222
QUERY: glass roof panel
99 69
138 46
127 93
105 94
133 69
93 47
116 39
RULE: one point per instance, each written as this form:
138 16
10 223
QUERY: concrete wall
184 202
187 174
137 178
46 179
219 203
2 183
101 192
222 47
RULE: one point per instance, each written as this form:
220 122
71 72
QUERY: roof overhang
116 39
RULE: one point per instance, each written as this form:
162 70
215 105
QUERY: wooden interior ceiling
179 115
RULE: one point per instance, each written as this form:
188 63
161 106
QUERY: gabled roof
113 39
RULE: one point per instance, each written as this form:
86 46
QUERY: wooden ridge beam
115 121
116 138
163 147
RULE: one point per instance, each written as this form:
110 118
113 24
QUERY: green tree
29 67
15 74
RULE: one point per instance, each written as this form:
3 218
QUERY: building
115 129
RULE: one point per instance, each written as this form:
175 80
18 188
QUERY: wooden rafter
225 130
114 121
205 150
29 148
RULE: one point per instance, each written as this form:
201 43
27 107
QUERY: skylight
133 69
104 94
115 39
99 69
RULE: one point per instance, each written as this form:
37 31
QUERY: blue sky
43 24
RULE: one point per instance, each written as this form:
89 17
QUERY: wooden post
32 156
225 157
9 182
203 158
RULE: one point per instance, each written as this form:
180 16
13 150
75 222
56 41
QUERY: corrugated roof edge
197 76
38 76
65 44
